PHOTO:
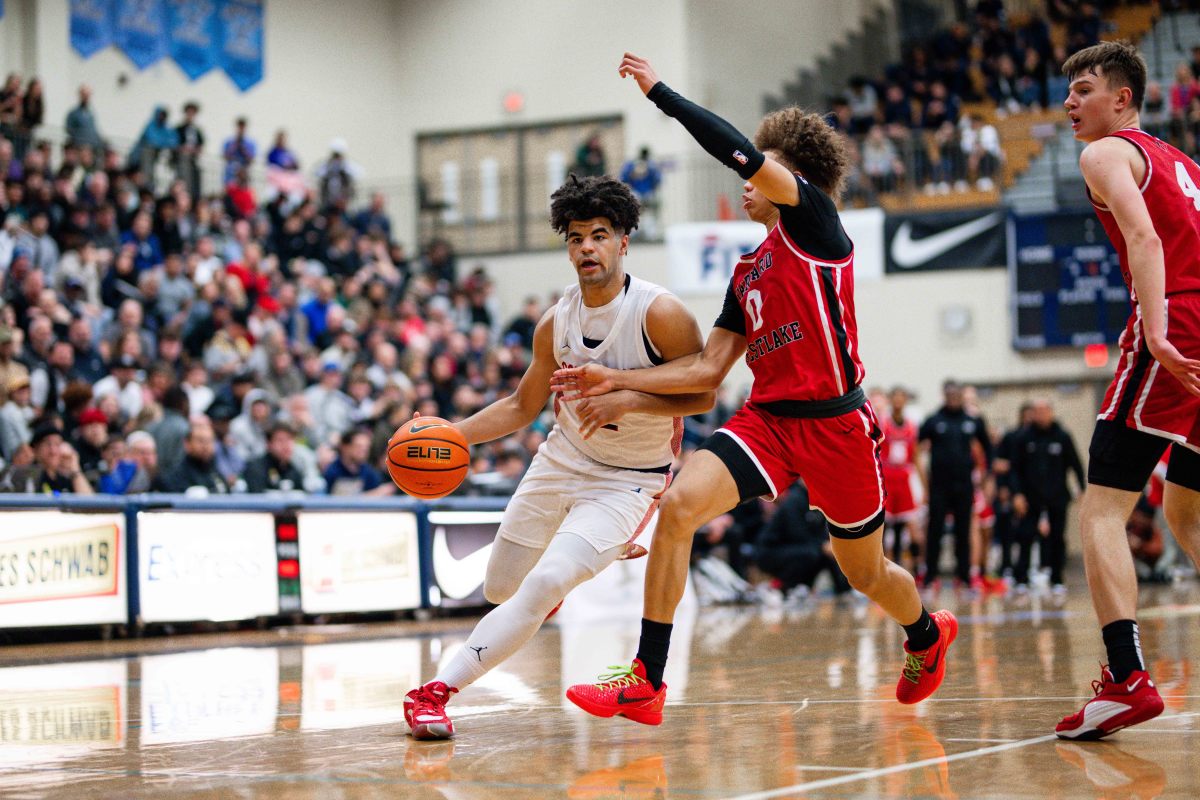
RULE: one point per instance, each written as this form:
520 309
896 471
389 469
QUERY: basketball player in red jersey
1146 195
903 479
790 310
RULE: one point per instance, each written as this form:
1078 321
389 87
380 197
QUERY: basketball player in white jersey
595 482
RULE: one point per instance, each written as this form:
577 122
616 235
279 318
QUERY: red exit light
1096 355
286 532
289 568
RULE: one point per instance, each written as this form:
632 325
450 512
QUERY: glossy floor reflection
764 703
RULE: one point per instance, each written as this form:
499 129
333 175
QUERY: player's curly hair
594 196
806 143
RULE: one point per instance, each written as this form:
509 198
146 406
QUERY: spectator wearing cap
122 383
198 467
330 406
55 467
275 470
90 439
16 416
225 454
350 473
49 380
10 368
172 428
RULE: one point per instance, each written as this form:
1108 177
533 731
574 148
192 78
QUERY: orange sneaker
924 670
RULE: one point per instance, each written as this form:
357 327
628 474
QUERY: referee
949 437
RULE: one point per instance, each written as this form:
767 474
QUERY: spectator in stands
981 146
122 384
880 161
81 127
89 440
524 325
897 108
10 108
1185 87
350 473
337 178
239 151
644 177
1031 80
170 431
54 469
839 117
864 105
589 157
1004 86
274 471
33 111
190 139
16 416
1156 113
50 379
10 367
198 466
794 548
249 428
373 219
157 138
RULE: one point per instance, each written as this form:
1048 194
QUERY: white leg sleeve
567 562
507 566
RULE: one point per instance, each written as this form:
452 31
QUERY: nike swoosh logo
624 701
1133 685
458 577
931 669
908 252
419 428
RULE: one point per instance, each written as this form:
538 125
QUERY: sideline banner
702 255
61 569
206 566
462 544
365 563
968 239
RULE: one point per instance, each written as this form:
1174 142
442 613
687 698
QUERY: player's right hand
640 69
1186 370
590 380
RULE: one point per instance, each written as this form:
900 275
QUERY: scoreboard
1065 283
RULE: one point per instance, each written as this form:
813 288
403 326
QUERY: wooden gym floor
782 702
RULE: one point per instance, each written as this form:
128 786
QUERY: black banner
967 239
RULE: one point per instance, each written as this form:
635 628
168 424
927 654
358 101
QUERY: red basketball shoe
1115 706
425 711
923 670
624 692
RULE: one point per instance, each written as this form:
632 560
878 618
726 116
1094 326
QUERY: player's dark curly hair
594 196
806 143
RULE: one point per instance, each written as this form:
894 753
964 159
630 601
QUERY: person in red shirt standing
790 310
903 480
1147 196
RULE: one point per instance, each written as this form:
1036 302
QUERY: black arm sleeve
720 139
731 317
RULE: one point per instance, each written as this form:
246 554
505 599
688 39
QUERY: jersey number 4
754 304
1186 185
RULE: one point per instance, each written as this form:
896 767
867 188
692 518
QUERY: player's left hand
596 412
640 69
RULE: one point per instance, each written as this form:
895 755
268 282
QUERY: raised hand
640 69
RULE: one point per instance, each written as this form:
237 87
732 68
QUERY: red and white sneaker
924 670
425 711
624 692
1115 706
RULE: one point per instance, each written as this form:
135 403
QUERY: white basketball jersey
636 441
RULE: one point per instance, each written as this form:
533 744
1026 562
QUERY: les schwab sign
61 569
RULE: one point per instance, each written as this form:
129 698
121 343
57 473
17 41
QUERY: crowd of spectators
907 128
157 336
1173 114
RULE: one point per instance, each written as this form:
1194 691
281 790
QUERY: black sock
652 649
922 634
1124 648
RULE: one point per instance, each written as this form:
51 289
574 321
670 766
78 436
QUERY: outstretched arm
522 406
1107 165
722 141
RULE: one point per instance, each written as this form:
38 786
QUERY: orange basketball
428 458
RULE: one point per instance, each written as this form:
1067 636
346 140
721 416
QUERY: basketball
428 458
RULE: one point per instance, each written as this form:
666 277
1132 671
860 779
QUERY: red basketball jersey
1171 190
801 337
899 442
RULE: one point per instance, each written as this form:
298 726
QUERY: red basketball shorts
1146 397
903 489
837 457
